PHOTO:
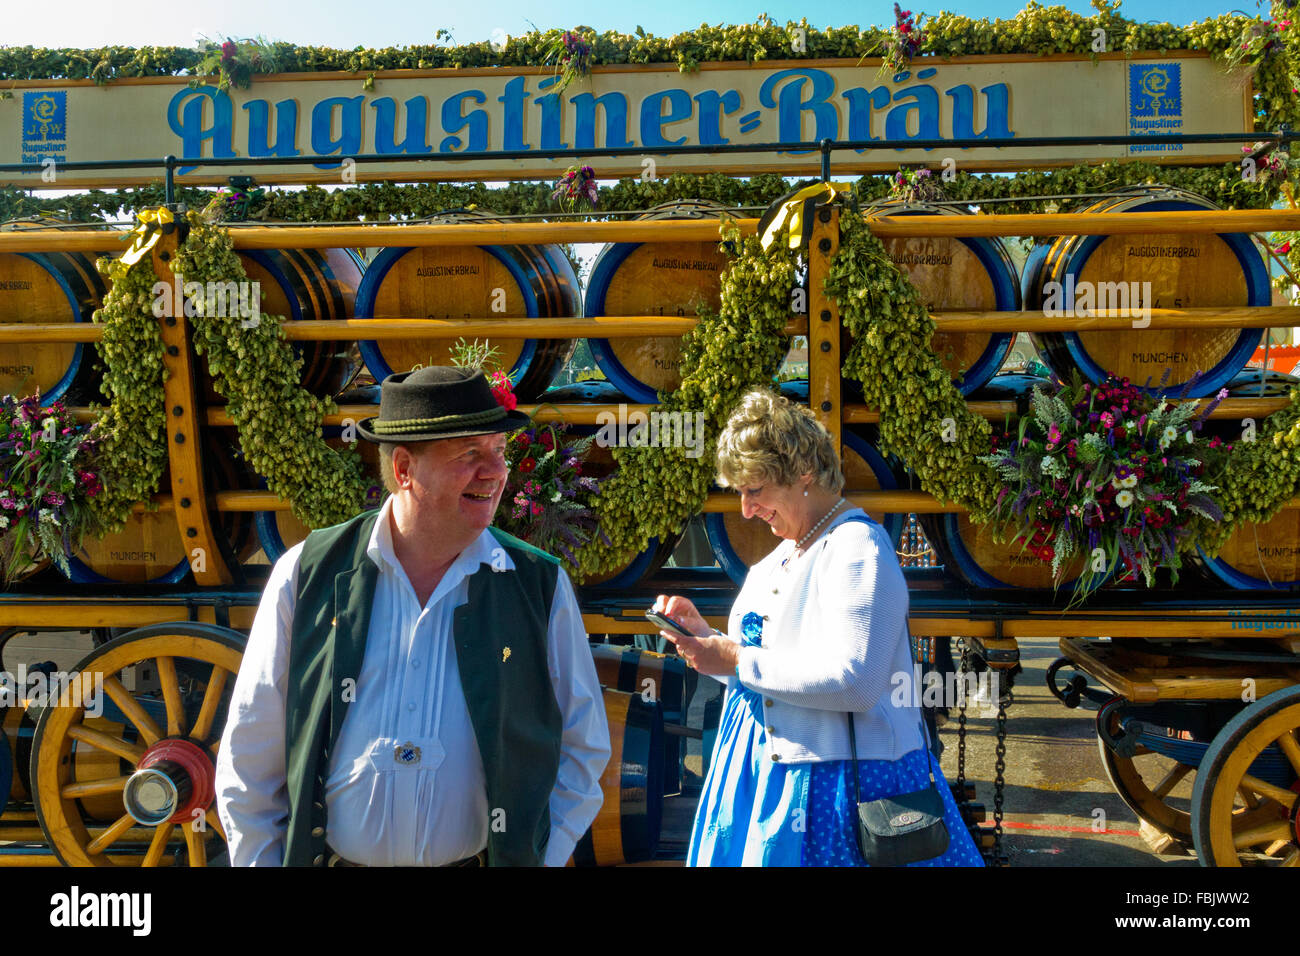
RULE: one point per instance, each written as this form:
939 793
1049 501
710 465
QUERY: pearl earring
805 493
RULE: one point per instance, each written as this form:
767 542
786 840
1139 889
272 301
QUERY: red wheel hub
175 778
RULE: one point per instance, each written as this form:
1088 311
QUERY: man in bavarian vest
417 688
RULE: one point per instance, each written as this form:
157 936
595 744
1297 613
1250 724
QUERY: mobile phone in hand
665 623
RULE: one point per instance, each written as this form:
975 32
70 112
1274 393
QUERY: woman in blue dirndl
819 630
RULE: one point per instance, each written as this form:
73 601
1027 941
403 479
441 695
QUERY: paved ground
1055 783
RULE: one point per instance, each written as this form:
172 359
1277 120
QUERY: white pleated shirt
382 811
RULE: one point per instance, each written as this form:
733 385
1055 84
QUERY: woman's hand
707 654
683 611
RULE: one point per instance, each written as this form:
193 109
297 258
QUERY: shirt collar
482 550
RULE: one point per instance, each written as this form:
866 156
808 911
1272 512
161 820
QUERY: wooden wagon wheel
196 664
1237 817
1144 782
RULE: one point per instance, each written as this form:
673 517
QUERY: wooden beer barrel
1257 556
600 464
48 287
661 677
968 551
278 531
1184 271
653 278
305 285
973 274
149 548
451 282
19 727
739 542
626 830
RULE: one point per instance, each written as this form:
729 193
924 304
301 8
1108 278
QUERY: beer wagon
1181 686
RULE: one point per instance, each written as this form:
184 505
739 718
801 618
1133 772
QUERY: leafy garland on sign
255 369
380 202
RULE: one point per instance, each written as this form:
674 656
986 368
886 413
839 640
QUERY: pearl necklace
806 538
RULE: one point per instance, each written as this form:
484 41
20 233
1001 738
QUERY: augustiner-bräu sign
464 112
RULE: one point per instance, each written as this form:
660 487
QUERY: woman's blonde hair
770 439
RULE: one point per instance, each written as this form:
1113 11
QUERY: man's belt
478 859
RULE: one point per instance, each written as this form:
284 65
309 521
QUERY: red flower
228 50
548 440
527 465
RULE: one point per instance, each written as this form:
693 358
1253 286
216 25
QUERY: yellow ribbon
146 234
797 212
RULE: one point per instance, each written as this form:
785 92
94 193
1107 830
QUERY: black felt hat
438 402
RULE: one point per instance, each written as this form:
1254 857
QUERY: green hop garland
656 490
923 417
132 452
255 369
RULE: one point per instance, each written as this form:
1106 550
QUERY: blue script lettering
185 117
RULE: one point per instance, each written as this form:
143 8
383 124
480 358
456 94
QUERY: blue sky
379 23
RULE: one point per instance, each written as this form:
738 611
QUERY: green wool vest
511 700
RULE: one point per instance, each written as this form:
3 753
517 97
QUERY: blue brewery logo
45 125
1155 103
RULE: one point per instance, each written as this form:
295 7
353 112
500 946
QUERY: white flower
4 522
47 515
1129 482
1191 439
1168 435
1124 499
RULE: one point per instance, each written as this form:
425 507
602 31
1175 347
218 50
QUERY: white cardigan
835 639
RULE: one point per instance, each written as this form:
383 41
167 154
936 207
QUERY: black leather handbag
894 831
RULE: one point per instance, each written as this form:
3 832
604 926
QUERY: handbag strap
853 742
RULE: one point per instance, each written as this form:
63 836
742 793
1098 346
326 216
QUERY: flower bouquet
915 185
547 500
234 62
44 504
1107 473
578 183
571 54
903 41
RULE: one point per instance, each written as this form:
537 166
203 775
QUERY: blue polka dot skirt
832 810
756 812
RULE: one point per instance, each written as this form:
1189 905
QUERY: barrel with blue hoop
1263 556
41 288
600 464
306 285
278 531
739 542
1183 271
973 273
653 278
626 829
470 281
149 548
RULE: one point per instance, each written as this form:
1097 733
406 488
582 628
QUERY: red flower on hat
502 391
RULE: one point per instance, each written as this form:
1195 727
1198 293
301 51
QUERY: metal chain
961 726
999 781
